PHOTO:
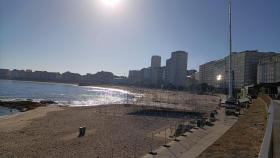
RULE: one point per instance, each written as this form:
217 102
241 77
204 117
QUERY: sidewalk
276 129
196 141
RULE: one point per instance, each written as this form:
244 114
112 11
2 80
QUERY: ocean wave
66 95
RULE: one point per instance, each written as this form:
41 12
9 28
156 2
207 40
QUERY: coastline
123 129
63 94
50 82
22 119
117 128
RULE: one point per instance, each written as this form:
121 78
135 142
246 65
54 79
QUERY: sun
111 3
219 77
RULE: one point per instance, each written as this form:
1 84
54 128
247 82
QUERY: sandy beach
111 129
124 130
22 119
182 100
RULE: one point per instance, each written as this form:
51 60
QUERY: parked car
232 108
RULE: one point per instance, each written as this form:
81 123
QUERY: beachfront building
151 76
101 77
269 69
145 76
18 74
120 80
213 73
244 66
54 76
155 71
70 77
174 74
155 61
163 74
5 74
135 77
176 69
156 74
40 76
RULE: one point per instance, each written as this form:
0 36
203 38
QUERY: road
276 129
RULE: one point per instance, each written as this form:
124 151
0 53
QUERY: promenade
242 140
196 141
276 129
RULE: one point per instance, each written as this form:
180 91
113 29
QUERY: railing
266 147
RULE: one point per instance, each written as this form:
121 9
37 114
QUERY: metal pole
165 140
134 149
165 136
230 54
152 143
175 134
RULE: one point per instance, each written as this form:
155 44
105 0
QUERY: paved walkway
276 129
196 141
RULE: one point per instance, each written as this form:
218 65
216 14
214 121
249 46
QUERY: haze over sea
64 94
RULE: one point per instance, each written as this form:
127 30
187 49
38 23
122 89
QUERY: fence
266 147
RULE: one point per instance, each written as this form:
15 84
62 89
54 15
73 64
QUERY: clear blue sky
88 35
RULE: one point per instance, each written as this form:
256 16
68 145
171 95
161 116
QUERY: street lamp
230 96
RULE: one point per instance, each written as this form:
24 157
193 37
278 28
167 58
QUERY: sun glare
219 77
111 3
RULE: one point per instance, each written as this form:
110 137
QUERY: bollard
175 133
151 145
165 141
198 123
171 130
134 149
82 131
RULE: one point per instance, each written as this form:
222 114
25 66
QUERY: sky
87 36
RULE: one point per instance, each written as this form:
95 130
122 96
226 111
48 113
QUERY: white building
244 66
213 73
269 69
146 76
155 61
176 69
135 77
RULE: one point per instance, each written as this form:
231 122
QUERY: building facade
269 69
176 69
213 73
244 67
5 74
156 61
135 77
174 73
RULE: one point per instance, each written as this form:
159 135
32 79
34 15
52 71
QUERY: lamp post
230 96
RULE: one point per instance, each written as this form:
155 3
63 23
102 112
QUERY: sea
63 94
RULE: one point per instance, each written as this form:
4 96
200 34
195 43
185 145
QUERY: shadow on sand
167 113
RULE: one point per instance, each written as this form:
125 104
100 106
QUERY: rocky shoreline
25 105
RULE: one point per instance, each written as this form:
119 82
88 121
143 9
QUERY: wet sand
21 119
